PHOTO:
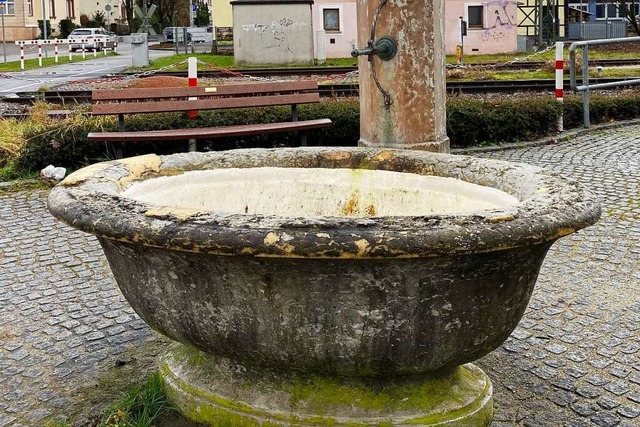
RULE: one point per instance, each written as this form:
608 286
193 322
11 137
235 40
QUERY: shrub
41 27
470 121
98 20
66 26
63 143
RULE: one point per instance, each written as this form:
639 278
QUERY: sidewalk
574 360
50 77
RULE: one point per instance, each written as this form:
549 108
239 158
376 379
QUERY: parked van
195 34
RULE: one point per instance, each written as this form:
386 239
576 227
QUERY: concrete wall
498 33
339 43
272 32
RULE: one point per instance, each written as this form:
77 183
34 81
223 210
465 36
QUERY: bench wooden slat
210 132
222 90
204 104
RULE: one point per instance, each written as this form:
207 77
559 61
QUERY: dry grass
11 140
13 131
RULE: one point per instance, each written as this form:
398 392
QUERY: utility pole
214 38
45 33
3 4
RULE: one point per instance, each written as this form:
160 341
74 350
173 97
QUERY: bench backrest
156 100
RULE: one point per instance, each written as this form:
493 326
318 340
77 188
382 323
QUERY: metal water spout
402 74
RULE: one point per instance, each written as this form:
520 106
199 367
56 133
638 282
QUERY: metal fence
584 87
596 30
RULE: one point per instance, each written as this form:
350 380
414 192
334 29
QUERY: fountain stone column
402 99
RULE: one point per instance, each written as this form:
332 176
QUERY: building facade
22 16
491 26
339 21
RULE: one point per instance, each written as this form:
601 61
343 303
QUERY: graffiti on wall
500 19
277 34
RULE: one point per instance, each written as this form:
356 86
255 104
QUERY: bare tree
128 6
629 9
170 12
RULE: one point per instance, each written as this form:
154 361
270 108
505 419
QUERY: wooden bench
175 99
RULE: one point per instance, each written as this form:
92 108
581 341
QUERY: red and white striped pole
69 50
193 81
40 54
55 50
560 81
84 51
21 56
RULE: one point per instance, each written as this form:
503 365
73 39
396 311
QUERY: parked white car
97 38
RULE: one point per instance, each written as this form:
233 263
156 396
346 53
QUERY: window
9 7
30 7
71 10
331 19
475 15
52 9
605 10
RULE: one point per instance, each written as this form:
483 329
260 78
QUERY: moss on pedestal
217 392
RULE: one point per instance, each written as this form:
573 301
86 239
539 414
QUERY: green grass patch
141 406
226 61
547 72
617 72
599 52
208 61
125 395
339 62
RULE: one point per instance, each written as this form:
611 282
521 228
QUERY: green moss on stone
321 401
425 394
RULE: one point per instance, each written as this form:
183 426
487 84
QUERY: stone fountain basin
342 261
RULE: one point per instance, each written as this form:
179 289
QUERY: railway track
331 90
327 71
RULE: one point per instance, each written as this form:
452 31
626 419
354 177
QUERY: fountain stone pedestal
218 392
325 286
344 286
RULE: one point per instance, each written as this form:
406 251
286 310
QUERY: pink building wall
339 43
498 33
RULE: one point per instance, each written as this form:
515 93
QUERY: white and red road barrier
100 40
560 80
193 81
192 75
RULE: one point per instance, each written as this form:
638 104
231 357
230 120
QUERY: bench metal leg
118 152
192 145
303 140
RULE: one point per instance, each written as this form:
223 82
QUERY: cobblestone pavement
574 360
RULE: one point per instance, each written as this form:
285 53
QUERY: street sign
145 26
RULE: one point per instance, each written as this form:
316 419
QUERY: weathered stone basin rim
549 207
